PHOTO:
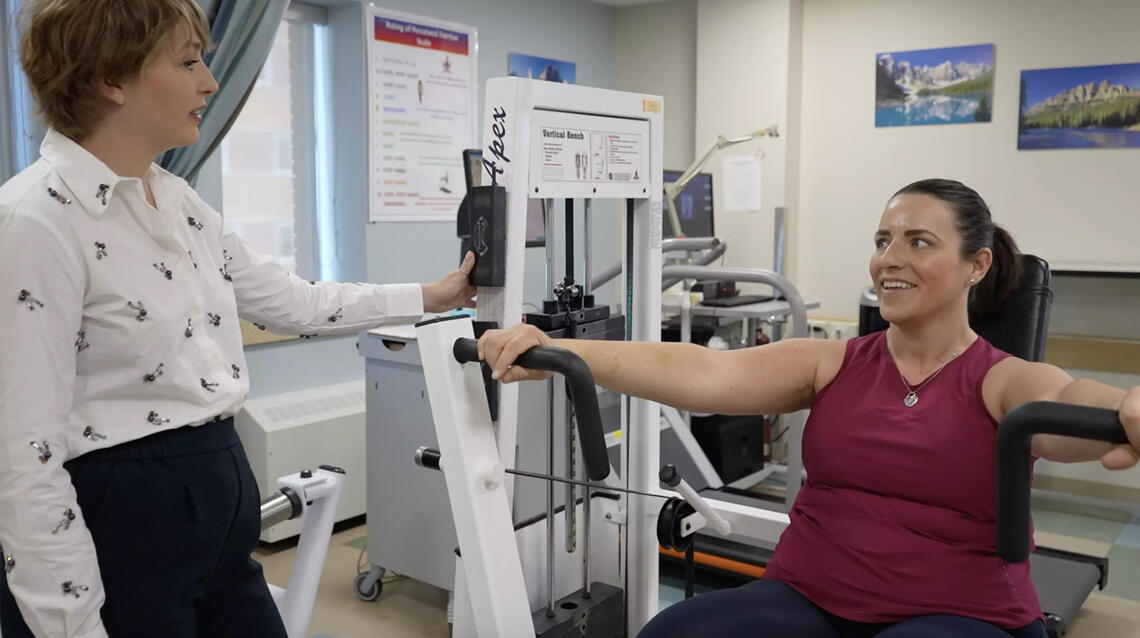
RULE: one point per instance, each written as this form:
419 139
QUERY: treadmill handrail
705 258
689 244
1012 456
582 393
711 247
750 275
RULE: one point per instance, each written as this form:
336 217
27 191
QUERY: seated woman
892 534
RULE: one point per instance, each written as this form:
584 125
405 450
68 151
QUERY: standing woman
127 506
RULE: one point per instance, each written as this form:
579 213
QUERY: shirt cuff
405 300
98 632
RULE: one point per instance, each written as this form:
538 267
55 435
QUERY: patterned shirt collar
92 183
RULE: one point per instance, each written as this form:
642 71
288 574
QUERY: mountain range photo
1080 107
934 86
913 80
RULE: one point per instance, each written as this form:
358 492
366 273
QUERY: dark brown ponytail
1001 280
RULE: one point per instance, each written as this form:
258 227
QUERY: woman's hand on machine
500 348
1123 457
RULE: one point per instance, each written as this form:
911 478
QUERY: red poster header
419 35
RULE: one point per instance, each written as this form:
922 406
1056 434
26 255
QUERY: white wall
722 68
849 168
1096 306
656 53
742 86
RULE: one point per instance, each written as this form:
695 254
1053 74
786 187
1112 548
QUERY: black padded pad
1062 585
1020 327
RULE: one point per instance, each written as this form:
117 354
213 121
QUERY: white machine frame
476 453
515 109
319 495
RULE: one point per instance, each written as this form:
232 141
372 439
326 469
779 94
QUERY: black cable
776 438
596 486
690 575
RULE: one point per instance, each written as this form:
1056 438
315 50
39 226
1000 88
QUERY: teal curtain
243 31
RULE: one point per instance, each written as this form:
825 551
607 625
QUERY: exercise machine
312 495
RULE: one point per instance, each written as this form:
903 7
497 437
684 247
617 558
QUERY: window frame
306 247
311 204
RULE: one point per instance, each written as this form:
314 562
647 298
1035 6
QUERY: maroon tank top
896 518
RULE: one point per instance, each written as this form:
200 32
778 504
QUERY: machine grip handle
1014 441
466 350
582 394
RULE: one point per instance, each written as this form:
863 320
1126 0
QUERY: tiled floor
1097 529
1115 611
407 608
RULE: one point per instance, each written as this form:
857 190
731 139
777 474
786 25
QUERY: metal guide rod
548 231
571 473
571 511
587 245
569 239
586 507
550 500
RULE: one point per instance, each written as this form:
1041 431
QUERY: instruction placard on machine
577 155
581 155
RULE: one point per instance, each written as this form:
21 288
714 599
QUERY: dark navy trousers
771 609
175 517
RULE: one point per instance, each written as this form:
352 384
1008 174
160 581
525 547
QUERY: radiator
304 429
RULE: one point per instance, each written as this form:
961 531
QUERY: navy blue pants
174 517
768 608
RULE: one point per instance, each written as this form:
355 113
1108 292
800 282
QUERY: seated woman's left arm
1019 381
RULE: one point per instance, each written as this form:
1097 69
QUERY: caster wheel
368 592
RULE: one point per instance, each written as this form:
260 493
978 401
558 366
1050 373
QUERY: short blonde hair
66 46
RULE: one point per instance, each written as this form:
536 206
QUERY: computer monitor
535 221
694 206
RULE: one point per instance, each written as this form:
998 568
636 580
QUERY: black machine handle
582 394
1014 440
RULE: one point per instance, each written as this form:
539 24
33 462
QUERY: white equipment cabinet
410 528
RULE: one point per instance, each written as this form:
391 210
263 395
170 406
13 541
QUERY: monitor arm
673 189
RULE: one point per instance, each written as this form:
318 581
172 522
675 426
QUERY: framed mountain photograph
1080 107
954 85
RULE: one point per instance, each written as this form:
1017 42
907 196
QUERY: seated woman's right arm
772 379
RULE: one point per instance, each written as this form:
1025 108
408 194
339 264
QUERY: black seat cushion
1020 326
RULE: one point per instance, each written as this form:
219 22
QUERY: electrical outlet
780 452
833 329
844 329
